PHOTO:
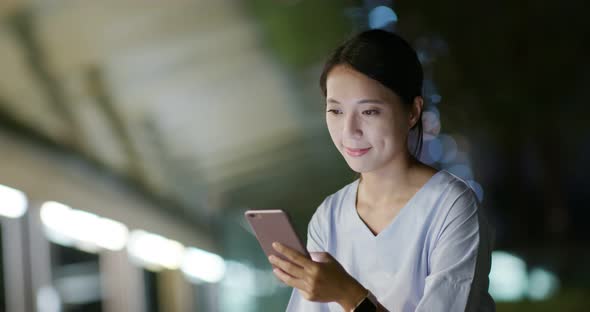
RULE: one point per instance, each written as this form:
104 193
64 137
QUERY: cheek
387 136
334 130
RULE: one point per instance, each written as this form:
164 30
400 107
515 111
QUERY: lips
356 152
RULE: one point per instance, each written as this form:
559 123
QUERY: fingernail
276 245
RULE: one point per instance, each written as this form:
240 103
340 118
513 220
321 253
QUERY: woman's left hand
323 280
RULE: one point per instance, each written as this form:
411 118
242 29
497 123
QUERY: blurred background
134 135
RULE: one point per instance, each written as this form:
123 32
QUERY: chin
360 166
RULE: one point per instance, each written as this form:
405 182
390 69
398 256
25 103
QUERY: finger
289 280
288 267
292 254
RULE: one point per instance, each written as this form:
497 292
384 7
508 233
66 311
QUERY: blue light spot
423 56
433 151
381 16
434 110
435 98
449 147
477 189
462 171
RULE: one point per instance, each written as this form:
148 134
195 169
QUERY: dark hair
386 58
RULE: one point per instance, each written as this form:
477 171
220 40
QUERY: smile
356 152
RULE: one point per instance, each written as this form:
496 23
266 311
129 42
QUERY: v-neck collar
359 221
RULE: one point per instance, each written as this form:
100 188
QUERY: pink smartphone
274 226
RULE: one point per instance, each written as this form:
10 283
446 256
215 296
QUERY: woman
404 236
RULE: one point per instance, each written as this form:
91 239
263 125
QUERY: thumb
321 256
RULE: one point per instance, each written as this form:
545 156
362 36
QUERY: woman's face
367 122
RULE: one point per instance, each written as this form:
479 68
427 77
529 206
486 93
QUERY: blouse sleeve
316 241
459 263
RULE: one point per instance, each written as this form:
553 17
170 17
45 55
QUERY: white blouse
434 256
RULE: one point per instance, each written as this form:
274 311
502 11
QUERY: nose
352 127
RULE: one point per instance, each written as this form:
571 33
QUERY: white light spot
508 277
542 284
81 229
200 265
154 252
13 203
431 124
48 300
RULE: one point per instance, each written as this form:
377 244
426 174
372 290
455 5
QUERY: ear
416 111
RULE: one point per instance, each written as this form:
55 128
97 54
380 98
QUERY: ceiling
183 100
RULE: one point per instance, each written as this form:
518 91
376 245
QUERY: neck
387 183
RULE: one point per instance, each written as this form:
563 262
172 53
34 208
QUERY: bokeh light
449 148
477 189
154 252
542 284
13 203
200 265
381 16
431 123
508 277
84 230
462 171
432 151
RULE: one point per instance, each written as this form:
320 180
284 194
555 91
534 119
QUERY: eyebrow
363 101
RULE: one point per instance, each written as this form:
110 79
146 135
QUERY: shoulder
457 198
453 188
329 213
333 204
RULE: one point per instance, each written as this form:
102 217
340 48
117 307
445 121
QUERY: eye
334 111
371 112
